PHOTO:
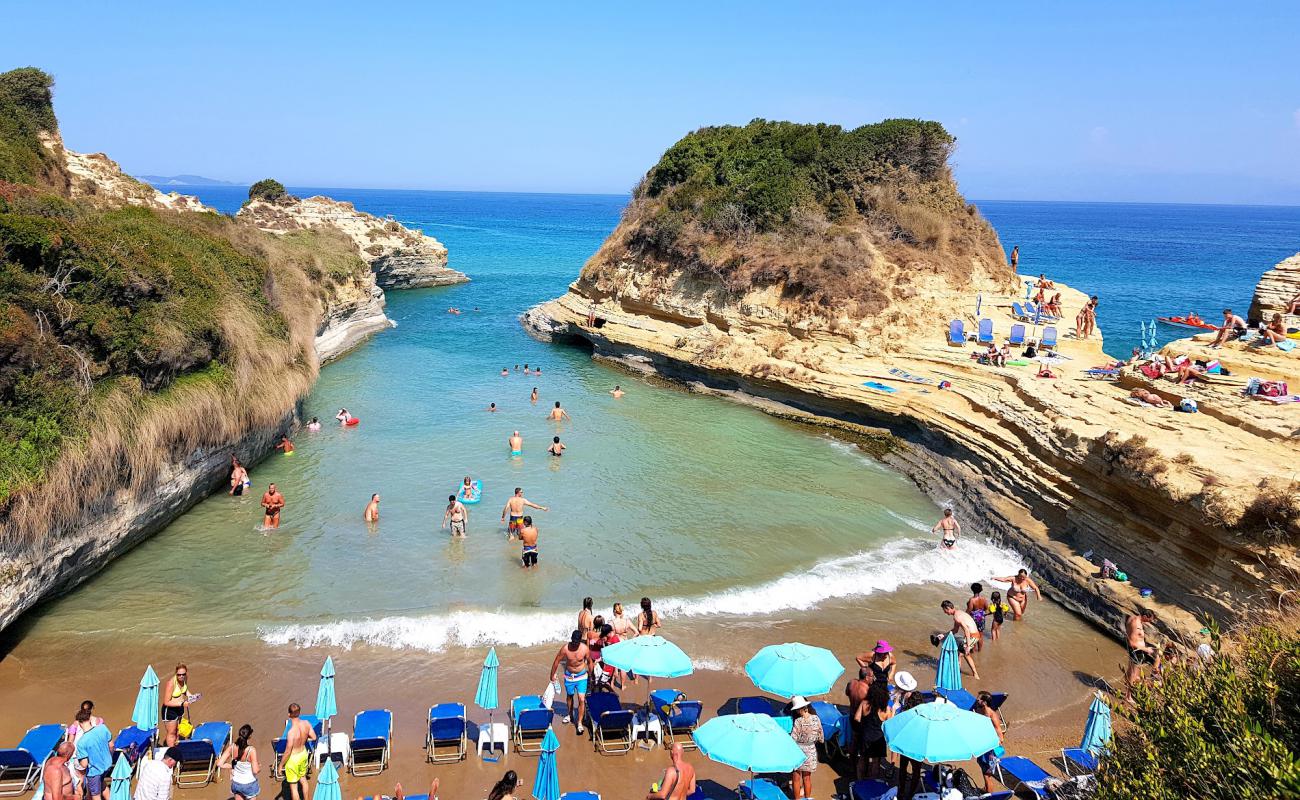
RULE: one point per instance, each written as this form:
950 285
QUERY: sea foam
883 569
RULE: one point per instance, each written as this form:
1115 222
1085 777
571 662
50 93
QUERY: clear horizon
1103 103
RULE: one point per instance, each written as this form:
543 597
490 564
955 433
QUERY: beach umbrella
547 784
979 298
651 656
145 714
486 697
327 783
326 703
940 731
749 742
949 677
1096 731
648 655
793 668
120 788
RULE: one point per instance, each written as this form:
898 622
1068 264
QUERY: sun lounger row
957 334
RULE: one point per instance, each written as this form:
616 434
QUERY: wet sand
1049 664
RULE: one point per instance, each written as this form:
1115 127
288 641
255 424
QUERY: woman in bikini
1018 592
1274 331
176 700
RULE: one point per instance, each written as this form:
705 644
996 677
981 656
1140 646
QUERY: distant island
184 180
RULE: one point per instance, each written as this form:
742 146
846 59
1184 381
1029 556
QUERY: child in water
314 425
285 445
999 611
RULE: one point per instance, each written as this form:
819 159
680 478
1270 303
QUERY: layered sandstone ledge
1066 471
402 258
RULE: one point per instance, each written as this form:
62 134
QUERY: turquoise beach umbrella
648 655
547 784
793 668
949 677
326 705
939 732
327 783
749 742
145 714
486 696
1096 731
120 788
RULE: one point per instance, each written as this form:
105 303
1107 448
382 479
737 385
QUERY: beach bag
548 696
1252 386
1273 388
1150 370
185 728
1108 568
1187 404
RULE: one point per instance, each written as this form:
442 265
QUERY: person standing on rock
950 527
1140 653
1015 257
273 502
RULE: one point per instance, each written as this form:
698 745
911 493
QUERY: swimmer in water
617 392
516 444
504 372
950 527
456 515
492 407
558 414
467 489
515 508
273 502
527 371
556 449
285 445
343 416
528 536
314 425
372 509
532 398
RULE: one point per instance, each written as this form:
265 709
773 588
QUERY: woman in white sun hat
904 685
807 732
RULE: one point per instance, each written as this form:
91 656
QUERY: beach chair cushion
371 729
1049 337
956 332
996 700
958 697
760 789
579 796
526 702
207 739
613 730
602 703
1023 772
447 721
755 705
986 331
36 746
1084 760
867 790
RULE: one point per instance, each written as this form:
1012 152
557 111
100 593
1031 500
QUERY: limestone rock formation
97 178
1275 291
402 258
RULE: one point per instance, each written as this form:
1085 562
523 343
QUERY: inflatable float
1182 322
354 421
475 493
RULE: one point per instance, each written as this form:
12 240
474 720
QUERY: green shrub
1229 729
268 189
26 109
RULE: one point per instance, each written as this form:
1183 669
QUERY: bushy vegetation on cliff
107 312
1228 729
815 209
268 189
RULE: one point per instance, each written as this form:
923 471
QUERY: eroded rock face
98 178
402 258
1275 291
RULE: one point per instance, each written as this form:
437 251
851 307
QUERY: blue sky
1153 101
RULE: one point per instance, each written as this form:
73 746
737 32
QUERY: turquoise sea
711 508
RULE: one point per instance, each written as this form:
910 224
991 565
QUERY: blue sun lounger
958 697
756 705
678 717
579 796
867 790
957 333
131 743
529 719
1016 772
446 728
760 789
20 767
196 765
985 335
1017 334
611 724
372 740
1049 338
1083 761
278 745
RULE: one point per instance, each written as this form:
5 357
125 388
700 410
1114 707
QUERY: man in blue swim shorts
576 660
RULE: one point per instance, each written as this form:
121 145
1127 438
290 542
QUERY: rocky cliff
1200 508
1275 292
402 258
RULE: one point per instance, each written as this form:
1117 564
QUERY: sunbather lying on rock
1151 398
